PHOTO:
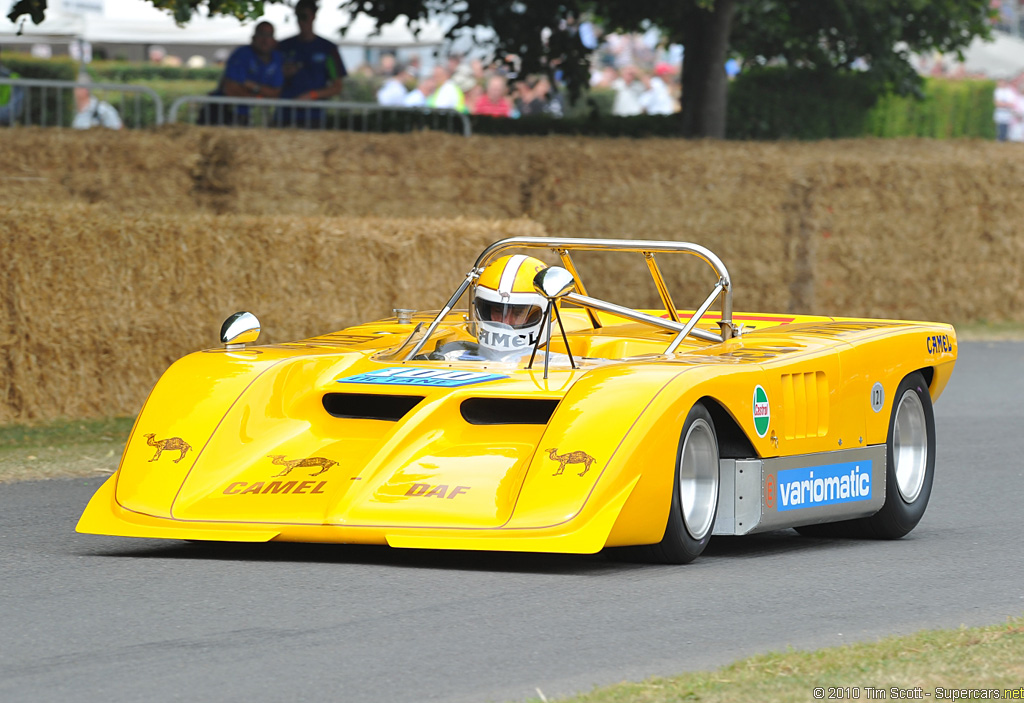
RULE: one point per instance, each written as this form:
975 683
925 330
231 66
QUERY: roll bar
562 246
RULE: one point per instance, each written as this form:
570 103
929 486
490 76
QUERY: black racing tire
910 469
695 489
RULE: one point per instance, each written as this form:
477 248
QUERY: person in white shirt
393 91
417 97
93 112
1016 131
627 93
656 99
1006 98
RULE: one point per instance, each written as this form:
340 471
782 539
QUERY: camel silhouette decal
290 464
564 460
171 444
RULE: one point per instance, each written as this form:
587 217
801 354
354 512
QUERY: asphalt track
87 618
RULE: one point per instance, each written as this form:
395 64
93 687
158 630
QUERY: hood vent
370 406
508 411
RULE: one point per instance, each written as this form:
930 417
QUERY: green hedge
47 69
594 125
949 109
782 103
129 72
785 103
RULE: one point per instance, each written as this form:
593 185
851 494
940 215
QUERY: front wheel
694 493
910 453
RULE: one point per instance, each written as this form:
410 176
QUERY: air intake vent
508 411
370 406
805 404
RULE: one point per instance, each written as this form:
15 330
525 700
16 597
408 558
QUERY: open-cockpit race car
541 419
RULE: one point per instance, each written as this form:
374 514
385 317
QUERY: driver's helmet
508 312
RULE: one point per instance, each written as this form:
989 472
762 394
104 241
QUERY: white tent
1001 58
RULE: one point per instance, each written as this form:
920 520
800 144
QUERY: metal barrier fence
313 114
53 103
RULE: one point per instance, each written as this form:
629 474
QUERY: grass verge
990 331
929 665
62 449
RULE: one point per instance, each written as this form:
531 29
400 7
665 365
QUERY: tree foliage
877 36
181 10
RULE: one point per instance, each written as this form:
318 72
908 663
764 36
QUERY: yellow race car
541 419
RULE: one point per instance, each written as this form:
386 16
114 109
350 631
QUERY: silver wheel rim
910 446
698 478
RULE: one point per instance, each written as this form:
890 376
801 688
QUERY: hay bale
116 242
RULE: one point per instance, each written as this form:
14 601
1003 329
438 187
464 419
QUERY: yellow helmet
508 312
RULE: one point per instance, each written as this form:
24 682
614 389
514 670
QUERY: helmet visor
516 316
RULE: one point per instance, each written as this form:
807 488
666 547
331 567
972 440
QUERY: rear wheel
910 469
694 493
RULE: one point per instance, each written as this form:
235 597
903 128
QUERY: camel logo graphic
171 444
570 458
290 464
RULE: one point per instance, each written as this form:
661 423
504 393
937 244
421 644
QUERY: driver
507 313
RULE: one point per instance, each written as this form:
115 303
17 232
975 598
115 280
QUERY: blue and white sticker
824 485
404 376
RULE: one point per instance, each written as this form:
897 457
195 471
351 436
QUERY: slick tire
695 490
910 469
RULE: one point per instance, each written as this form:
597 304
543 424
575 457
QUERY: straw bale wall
122 250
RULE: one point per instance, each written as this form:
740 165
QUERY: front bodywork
340 439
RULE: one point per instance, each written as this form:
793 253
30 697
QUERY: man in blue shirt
254 71
313 69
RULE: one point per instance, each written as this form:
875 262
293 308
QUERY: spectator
604 77
494 102
523 97
543 99
388 65
627 93
93 112
313 69
394 91
418 96
1016 132
1006 107
156 53
448 94
253 71
476 68
656 98
12 98
413 66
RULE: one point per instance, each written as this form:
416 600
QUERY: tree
877 36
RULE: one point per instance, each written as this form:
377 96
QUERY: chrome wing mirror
238 330
553 283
